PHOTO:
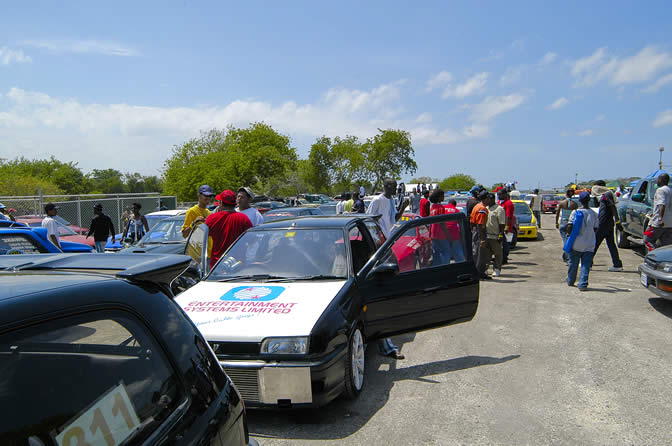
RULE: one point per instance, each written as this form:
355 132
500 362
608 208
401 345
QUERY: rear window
95 379
19 244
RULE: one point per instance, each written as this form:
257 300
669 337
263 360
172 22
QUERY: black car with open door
289 307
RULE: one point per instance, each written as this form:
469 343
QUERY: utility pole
576 179
660 161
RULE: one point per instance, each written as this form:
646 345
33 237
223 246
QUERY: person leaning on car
661 223
199 212
101 226
50 223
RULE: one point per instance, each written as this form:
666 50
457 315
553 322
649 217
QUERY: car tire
354 366
622 238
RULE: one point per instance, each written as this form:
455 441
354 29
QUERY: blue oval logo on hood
253 293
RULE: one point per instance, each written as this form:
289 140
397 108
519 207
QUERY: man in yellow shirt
198 212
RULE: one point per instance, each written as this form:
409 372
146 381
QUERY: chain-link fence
77 210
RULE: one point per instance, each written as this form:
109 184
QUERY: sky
534 92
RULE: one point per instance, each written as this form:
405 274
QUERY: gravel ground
541 363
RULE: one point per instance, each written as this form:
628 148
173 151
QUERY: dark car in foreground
94 351
656 272
289 307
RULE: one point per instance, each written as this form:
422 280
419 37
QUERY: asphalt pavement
541 363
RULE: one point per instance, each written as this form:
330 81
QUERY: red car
413 249
549 203
66 231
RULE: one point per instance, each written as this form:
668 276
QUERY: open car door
197 248
422 277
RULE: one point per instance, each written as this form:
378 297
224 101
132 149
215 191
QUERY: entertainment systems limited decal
245 299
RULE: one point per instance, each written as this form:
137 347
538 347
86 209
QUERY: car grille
246 381
650 263
235 348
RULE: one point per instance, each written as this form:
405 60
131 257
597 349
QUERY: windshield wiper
316 277
164 242
252 277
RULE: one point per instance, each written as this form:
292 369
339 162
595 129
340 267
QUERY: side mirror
637 197
384 271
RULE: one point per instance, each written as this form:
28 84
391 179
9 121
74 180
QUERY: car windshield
521 209
165 231
284 254
152 220
548 197
62 230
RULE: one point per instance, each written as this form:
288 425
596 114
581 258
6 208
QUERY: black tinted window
89 379
19 244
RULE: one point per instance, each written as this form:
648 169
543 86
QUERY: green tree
20 185
107 181
66 176
257 156
388 154
458 181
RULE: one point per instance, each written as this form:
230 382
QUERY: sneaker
616 269
585 288
497 273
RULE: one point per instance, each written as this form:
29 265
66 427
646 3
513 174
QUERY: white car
289 307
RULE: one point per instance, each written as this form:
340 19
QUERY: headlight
665 266
285 346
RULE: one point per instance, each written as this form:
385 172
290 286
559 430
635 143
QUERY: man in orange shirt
478 219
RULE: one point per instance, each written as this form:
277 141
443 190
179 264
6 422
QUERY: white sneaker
497 273
616 269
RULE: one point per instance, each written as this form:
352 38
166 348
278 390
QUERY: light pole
660 161
576 179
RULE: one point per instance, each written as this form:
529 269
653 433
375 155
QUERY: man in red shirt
478 219
226 225
424 204
508 229
446 240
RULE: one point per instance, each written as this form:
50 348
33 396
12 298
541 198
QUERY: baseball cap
49 206
247 190
206 190
226 197
584 196
98 206
475 189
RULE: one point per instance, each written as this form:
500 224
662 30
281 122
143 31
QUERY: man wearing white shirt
244 203
50 223
384 206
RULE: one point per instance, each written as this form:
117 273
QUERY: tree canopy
458 181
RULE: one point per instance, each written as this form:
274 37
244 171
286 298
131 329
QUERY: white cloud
9 56
618 71
512 75
495 105
559 103
660 83
663 118
84 47
439 80
515 46
587 132
38 125
548 58
471 86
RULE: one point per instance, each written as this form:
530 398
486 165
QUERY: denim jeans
505 250
606 232
586 259
100 246
444 250
563 233
537 215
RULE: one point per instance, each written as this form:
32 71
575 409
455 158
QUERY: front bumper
288 384
658 282
527 232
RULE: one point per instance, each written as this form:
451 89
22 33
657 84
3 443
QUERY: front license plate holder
644 279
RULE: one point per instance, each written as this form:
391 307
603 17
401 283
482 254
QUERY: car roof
313 221
170 212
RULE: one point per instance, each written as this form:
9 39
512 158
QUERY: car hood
159 248
252 311
524 219
663 254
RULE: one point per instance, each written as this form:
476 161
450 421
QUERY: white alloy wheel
354 366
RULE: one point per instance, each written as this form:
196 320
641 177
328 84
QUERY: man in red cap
225 225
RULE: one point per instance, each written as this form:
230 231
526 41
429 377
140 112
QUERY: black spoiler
160 269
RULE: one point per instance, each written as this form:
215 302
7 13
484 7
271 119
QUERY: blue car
18 238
